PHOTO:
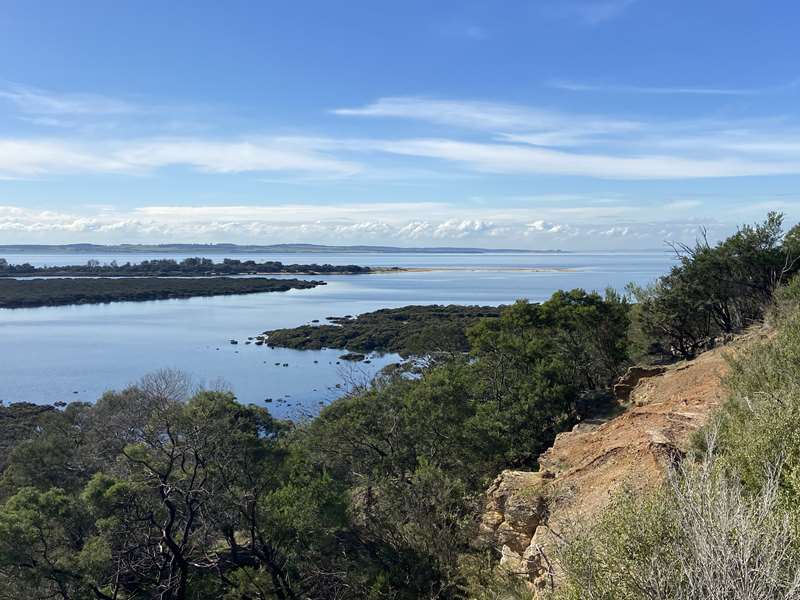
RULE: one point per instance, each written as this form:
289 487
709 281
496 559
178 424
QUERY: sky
541 124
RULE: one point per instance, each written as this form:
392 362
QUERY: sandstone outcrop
526 513
628 382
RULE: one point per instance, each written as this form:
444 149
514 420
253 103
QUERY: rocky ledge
527 513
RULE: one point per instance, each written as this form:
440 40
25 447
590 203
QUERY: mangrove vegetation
28 293
167 267
408 331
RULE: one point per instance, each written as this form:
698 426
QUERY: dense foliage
716 290
408 331
17 423
760 424
167 267
23 293
157 492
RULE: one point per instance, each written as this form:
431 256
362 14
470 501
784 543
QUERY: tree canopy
159 491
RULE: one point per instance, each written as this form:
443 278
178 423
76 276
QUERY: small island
29 293
188 267
408 331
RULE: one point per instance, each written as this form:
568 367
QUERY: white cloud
292 213
289 222
503 139
616 232
537 141
537 126
722 156
35 101
456 229
489 116
544 226
779 140
49 122
231 157
414 230
576 86
514 159
443 224
21 157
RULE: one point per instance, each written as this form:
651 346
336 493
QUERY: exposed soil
585 467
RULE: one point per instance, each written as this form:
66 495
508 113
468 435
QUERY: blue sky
569 124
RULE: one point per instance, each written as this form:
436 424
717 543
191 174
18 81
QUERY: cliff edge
526 511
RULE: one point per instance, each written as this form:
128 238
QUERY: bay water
70 353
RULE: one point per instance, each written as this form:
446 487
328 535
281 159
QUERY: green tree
43 547
716 289
535 362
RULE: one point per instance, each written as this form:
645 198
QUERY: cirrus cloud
26 157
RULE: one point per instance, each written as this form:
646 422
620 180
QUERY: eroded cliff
526 513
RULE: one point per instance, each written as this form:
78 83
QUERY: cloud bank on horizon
482 145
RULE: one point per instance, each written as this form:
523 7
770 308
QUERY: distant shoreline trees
31 293
166 267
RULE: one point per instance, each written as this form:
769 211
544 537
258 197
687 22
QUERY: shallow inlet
46 354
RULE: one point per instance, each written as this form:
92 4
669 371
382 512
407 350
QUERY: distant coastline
229 267
169 267
248 249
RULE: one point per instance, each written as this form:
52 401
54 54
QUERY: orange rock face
585 467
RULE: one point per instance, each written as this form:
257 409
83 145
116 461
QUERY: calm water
48 354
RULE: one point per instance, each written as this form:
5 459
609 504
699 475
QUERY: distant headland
245 249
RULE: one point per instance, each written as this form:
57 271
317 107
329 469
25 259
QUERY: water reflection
49 354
